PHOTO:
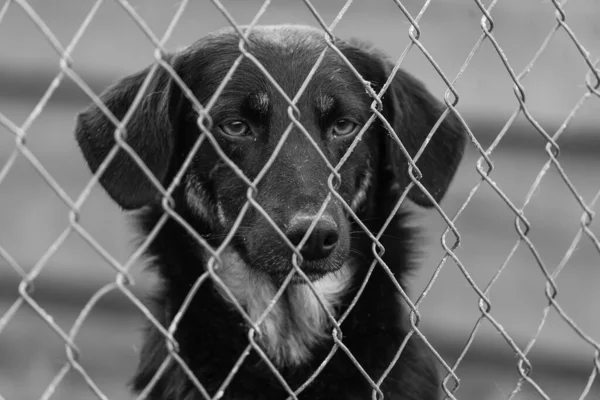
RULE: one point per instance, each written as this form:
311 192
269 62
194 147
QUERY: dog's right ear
150 132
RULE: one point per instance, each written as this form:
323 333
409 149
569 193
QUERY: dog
329 267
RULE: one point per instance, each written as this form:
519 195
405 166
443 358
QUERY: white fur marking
196 199
221 214
297 321
361 194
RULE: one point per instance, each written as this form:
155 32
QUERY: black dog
247 120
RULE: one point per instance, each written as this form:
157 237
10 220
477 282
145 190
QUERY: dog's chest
299 319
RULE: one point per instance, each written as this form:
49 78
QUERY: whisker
359 253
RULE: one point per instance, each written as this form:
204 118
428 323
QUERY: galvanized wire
484 167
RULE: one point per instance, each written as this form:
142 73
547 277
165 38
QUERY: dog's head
249 119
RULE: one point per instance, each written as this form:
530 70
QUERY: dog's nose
322 240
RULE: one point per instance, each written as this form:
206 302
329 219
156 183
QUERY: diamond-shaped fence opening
519 246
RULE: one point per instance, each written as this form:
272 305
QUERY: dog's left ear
412 111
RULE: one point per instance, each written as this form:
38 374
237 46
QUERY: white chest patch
297 321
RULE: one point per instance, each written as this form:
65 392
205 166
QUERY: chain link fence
483 163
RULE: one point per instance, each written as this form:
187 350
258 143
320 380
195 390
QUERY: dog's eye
343 127
236 128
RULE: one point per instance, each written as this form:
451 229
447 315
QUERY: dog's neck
298 321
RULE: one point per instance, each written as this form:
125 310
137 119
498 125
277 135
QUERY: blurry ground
32 216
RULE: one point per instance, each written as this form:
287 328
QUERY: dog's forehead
278 39
290 38
288 53
284 36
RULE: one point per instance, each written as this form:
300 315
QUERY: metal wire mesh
484 167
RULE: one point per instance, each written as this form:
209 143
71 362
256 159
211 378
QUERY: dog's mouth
311 272
312 276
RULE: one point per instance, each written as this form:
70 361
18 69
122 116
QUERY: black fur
212 334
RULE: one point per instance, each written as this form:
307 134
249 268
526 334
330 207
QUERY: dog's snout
322 240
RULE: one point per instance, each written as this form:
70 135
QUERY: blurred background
33 217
